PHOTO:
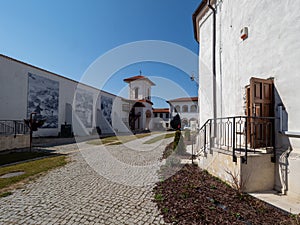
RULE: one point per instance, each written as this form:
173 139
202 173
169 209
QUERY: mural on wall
106 108
84 107
42 98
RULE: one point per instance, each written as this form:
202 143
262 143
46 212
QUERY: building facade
248 66
161 119
61 101
140 103
187 108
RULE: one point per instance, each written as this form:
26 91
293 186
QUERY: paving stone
101 185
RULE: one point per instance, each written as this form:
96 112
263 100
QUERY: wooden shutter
259 104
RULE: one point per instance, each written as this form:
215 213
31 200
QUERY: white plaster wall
257 175
293 180
13 91
143 86
271 50
147 107
117 116
13 96
205 69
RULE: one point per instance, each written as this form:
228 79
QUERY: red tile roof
130 79
161 110
186 99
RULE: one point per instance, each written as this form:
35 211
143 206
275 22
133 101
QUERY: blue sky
68 36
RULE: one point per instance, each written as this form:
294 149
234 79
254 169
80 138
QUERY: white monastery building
249 73
161 119
65 102
187 108
140 102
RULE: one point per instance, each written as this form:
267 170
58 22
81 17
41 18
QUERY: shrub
172 161
187 134
176 122
179 145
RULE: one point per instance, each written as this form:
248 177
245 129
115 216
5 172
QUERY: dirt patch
193 196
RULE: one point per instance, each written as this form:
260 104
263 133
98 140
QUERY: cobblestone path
101 185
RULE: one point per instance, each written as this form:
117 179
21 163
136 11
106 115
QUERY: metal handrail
238 133
13 127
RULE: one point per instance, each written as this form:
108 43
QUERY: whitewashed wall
119 116
143 86
271 50
14 90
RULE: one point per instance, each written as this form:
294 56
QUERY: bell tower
139 87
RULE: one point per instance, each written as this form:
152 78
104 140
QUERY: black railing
240 134
13 127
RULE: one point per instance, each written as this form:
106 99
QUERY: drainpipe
214 68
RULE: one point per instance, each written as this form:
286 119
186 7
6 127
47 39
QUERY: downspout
214 68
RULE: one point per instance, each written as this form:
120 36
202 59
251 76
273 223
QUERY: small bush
187 134
179 145
168 150
172 161
176 122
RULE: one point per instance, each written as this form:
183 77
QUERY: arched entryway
148 118
135 116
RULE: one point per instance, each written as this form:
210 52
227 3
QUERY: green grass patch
158 197
13 157
31 169
103 141
117 140
158 138
4 194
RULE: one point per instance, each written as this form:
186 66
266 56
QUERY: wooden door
259 104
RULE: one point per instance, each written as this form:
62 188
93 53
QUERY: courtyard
100 185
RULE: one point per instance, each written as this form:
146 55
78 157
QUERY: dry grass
158 138
115 140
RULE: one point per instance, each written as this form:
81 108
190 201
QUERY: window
167 115
155 114
193 108
185 108
161 115
148 94
136 93
177 108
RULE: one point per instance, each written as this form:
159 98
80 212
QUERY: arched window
193 108
177 108
136 93
185 108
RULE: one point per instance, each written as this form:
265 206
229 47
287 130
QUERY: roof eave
197 15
